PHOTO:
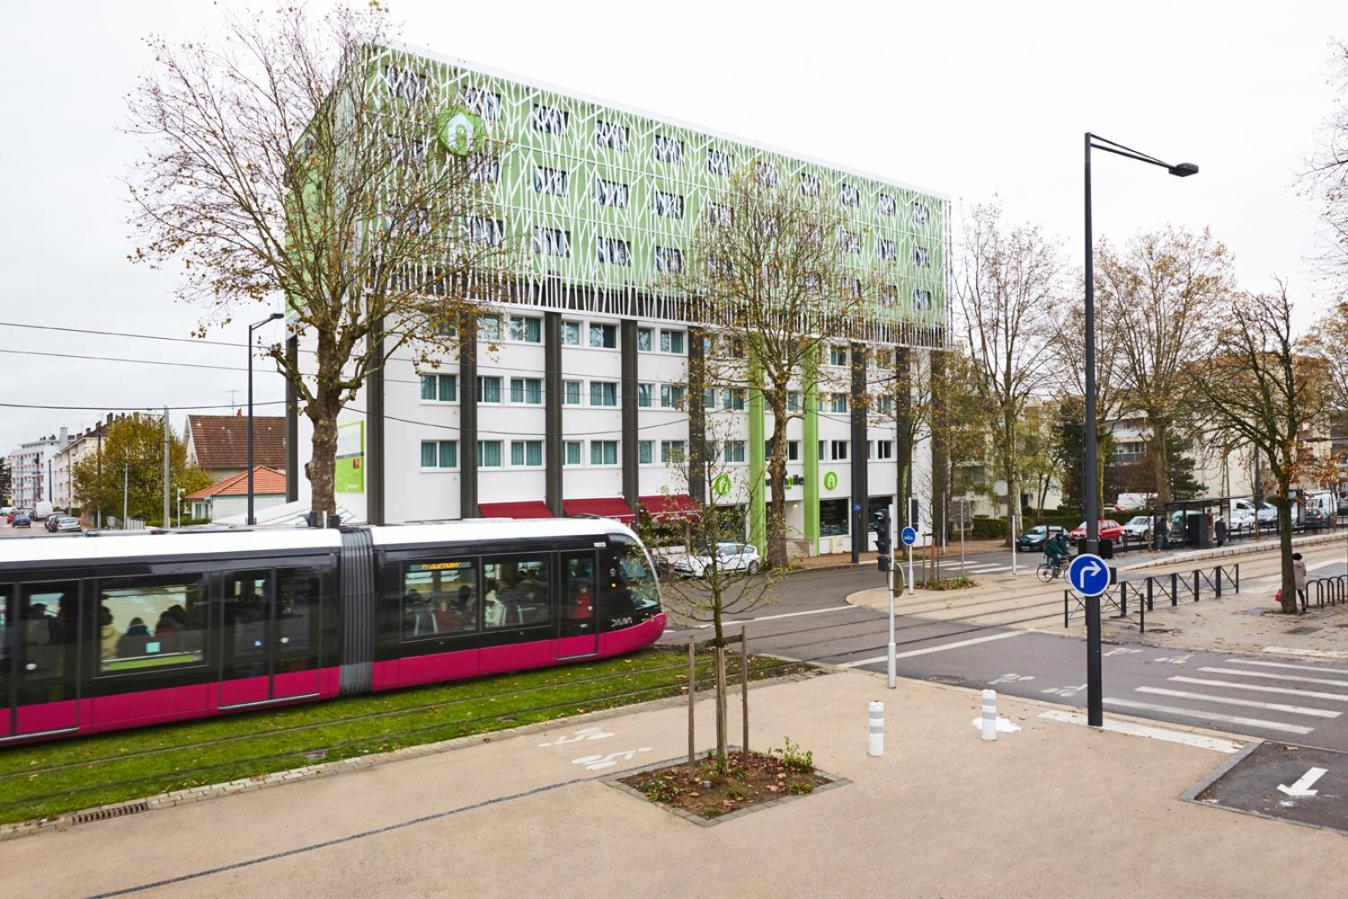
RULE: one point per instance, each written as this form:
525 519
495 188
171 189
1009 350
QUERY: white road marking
930 649
1303 786
782 615
1269 674
1143 730
1249 703
1309 653
1209 716
1308 694
1325 564
1288 665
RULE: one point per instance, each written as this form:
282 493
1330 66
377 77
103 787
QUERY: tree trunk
323 454
1289 591
776 524
1160 432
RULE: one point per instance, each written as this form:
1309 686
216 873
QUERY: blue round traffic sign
1088 574
908 535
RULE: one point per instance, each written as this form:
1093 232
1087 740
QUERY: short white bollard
989 714
876 746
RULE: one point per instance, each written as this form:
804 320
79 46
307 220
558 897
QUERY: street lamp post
271 318
1094 687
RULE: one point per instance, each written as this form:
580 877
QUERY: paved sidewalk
1057 810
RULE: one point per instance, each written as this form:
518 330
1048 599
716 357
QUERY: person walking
1299 577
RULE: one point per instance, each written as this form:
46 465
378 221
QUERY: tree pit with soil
707 790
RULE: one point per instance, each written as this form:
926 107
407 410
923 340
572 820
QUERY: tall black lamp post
1094 687
271 318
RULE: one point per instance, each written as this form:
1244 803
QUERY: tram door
270 636
39 633
579 597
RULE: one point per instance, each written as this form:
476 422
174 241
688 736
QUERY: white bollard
989 714
876 746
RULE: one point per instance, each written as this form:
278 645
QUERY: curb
1246 549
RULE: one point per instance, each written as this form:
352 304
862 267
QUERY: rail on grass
1144 592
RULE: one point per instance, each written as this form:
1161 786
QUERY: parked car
9 516
42 510
67 523
1343 506
51 521
1138 528
22 520
729 557
1034 539
1268 515
1109 530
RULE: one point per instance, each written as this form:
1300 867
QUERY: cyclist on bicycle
1056 550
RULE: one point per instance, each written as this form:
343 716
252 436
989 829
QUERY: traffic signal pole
889 579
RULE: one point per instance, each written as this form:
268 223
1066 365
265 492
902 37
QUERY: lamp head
275 315
1184 170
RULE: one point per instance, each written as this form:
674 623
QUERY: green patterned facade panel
607 199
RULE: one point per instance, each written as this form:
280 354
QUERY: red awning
603 507
664 506
528 509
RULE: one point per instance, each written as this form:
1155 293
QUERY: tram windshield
635 567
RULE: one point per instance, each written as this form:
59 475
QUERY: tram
103 631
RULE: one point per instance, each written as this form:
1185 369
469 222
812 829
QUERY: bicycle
1047 572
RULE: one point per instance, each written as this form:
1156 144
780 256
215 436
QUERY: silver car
67 523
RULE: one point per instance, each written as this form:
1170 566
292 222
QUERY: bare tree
1258 387
302 160
1160 303
1006 280
768 265
1326 177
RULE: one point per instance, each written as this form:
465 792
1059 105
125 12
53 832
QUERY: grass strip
48 779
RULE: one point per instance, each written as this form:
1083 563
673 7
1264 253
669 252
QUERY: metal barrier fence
1329 591
1173 587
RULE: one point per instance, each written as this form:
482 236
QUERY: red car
1109 530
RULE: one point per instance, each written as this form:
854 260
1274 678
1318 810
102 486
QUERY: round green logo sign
460 131
830 480
721 486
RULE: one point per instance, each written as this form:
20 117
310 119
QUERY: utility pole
167 447
99 466
126 474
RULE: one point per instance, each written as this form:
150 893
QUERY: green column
811 438
757 490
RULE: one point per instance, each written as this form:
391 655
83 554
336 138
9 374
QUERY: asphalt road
1305 702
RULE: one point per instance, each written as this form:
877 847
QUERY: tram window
297 599
633 585
439 598
150 623
45 626
515 591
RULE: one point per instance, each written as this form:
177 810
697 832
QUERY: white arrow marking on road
1303 787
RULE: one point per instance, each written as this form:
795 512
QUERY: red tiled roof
266 482
221 441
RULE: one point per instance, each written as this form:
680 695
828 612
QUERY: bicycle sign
908 535
1088 574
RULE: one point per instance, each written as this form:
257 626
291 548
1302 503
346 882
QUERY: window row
440 455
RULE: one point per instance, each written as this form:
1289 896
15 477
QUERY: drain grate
103 814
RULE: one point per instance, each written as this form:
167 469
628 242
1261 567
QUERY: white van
41 510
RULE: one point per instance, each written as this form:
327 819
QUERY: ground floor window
833 517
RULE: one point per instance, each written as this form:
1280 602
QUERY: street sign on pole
909 537
1089 575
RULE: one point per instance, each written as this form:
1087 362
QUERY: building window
551 181
793 450
709 398
793 400
886 204
552 242
610 135
526 330
612 250
549 120
672 342
766 173
488 327
570 393
809 185
668 259
489 389
672 396
485 230
837 355
671 451
922 300
439 454
837 402
889 295
603 452
603 393
849 195
710 451
888 250
833 517
719 163
528 391
884 449
921 256
440 388
571 452
668 205
485 168
528 453
732 398
921 214
483 102
734 451
838 450
610 193
571 333
644 340
604 337
851 241
668 149
645 395
405 84
489 454
719 215
884 404
645 452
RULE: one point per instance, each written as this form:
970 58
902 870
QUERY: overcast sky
969 99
